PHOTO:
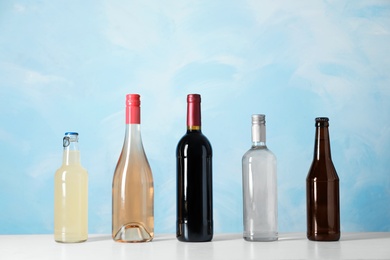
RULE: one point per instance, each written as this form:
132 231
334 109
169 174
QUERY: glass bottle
322 189
132 186
71 195
259 180
194 179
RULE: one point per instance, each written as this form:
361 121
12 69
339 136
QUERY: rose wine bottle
71 195
259 187
194 180
322 189
132 187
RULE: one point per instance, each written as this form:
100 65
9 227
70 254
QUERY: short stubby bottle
322 189
132 186
71 195
259 181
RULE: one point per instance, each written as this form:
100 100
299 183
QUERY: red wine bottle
194 180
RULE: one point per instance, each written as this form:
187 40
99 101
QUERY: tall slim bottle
71 195
194 180
259 182
322 189
132 186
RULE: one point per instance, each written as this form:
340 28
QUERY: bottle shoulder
194 139
72 166
322 170
259 151
71 169
133 157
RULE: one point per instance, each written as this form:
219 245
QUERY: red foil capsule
193 111
133 103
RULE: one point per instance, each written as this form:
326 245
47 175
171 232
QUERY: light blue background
67 66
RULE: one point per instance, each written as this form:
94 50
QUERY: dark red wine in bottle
194 221
322 190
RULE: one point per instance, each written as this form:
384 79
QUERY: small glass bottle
259 180
132 186
71 195
322 189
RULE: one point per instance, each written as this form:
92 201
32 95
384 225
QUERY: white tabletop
223 246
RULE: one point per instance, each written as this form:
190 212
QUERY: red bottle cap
193 111
133 103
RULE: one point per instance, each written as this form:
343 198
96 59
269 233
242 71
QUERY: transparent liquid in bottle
259 178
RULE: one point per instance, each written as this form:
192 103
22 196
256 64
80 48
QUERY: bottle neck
133 134
193 113
258 135
258 130
71 154
322 143
133 122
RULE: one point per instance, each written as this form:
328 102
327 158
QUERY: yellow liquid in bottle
71 200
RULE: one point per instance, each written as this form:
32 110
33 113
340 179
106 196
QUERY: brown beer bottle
322 189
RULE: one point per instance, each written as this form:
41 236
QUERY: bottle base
66 238
70 241
268 237
186 233
133 233
196 240
326 237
